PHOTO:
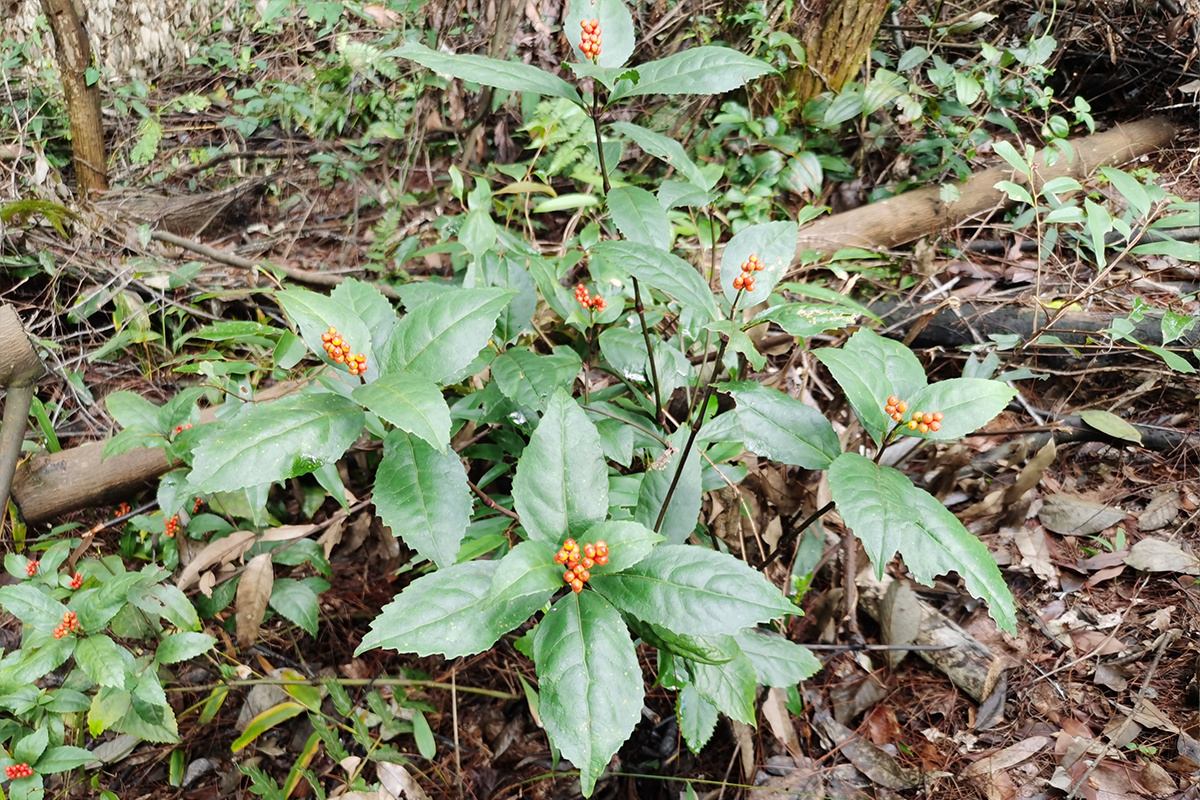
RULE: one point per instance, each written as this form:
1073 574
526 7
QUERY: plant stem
697 420
641 312
348 682
791 535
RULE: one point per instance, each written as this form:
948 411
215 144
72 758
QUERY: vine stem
697 420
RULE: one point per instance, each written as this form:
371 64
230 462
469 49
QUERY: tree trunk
83 101
837 37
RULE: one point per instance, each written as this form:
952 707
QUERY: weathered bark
837 37
909 216
83 100
20 368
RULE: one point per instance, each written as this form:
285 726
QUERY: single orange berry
601 545
902 406
583 575
927 417
893 400
560 557
601 560
938 416
923 428
587 563
577 586
897 416
935 426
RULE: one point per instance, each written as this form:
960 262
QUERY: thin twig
490 503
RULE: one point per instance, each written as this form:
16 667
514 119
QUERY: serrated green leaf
102 660
423 496
315 313
889 515
775 245
692 590
444 613
561 482
63 759
411 403
297 602
777 661
870 368
701 649
437 340
524 582
805 319
276 440
709 69
967 404
660 270
1110 424
639 217
529 379
134 412
589 682
369 307
31 605
628 543
512 76
176 647
782 428
31 747
666 149
697 718
729 687
684 510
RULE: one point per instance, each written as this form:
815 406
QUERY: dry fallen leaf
398 783
253 591
1155 555
1074 516
780 719
1160 512
226 549
1008 757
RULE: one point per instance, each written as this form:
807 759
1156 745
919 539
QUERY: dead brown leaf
226 549
1156 555
253 591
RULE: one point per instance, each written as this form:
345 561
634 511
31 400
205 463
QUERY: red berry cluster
76 580
746 280
589 42
31 568
180 429
172 526
69 623
923 421
339 350
196 506
596 303
18 771
123 509
579 561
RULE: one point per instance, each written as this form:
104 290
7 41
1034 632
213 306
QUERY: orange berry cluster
76 580
746 280
31 568
596 303
923 421
69 623
580 560
181 428
123 509
18 771
339 350
172 526
589 42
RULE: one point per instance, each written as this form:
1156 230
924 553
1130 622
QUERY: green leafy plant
87 619
604 473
